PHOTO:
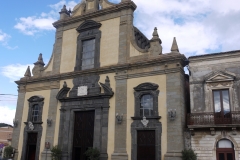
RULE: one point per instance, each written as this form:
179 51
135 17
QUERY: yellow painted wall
134 51
109 42
57 121
161 81
49 65
69 49
46 95
111 118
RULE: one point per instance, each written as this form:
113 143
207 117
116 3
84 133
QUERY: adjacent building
5 134
214 117
105 86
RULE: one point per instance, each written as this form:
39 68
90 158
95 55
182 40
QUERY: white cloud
200 26
4 38
7 115
33 24
14 71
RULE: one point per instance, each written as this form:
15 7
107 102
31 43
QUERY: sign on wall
82 91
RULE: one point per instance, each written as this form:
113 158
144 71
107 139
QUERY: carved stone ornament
146 86
30 126
145 121
82 91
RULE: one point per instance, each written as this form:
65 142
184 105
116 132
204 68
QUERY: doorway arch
225 150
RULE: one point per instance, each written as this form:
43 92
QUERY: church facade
105 86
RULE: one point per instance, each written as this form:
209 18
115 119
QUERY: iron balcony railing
213 118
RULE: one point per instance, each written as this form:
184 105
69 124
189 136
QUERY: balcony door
225 150
222 106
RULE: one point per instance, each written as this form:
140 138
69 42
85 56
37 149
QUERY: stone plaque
82 91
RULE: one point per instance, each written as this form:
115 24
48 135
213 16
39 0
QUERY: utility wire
8 95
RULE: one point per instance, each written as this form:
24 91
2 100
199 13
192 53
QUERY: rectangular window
35 113
221 103
88 52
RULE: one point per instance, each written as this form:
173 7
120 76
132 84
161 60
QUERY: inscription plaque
82 91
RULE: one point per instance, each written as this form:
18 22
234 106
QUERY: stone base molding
119 156
174 155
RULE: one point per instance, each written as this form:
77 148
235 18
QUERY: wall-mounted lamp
15 123
172 113
119 118
49 122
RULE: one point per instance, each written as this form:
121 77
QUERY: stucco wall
131 83
109 42
69 49
201 95
204 144
46 95
108 45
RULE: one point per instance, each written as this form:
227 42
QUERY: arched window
224 143
35 113
146 105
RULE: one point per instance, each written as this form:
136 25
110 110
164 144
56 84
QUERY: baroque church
108 86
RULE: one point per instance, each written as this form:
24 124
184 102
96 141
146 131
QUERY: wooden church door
146 145
83 134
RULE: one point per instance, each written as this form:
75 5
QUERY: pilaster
18 117
120 151
175 128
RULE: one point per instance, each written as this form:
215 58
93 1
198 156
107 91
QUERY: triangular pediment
220 76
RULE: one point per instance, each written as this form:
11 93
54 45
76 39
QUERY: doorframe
154 124
67 117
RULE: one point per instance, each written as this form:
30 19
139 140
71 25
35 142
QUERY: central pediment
220 76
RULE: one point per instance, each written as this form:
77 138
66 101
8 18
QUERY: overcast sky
200 26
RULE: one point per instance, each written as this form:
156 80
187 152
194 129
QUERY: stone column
18 117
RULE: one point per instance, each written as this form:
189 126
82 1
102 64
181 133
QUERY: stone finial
38 66
64 13
107 81
40 60
155 43
174 48
27 73
155 35
64 84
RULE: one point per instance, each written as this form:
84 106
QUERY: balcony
204 120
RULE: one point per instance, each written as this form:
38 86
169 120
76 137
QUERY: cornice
215 56
161 60
115 8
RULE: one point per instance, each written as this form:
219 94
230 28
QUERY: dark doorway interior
83 134
146 145
31 146
225 154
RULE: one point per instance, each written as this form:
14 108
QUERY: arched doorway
225 150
